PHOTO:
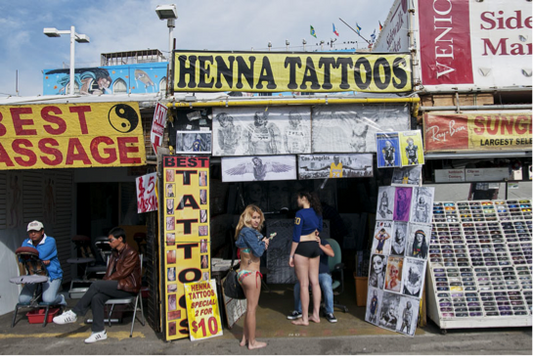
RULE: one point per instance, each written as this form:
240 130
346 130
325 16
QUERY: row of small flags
357 29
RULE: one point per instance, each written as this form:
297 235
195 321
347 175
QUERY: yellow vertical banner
202 310
186 245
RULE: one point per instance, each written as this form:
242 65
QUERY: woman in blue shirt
305 253
251 246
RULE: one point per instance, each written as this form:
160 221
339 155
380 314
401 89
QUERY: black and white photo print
334 166
261 131
258 168
406 176
422 204
353 128
414 271
385 210
399 238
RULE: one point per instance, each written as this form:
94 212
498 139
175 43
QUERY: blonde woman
251 246
305 253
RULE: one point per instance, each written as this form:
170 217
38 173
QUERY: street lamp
169 13
54 32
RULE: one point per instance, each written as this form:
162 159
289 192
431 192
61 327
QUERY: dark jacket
125 267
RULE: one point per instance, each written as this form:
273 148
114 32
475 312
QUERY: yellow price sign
202 310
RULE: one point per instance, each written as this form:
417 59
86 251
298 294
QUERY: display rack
479 265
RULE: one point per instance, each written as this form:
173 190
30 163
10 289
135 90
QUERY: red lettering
19 123
479 122
492 130
81 110
506 123
17 147
111 154
128 145
3 130
61 125
76 152
4 157
44 147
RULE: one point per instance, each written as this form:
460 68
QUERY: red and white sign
394 36
158 125
465 43
146 197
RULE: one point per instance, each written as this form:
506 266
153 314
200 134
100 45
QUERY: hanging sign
158 125
146 193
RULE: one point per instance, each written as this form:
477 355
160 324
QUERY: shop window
119 86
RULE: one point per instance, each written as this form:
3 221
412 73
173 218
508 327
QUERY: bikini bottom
242 274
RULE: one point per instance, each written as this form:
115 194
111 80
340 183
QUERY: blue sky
128 25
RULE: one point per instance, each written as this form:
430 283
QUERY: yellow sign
185 202
202 310
411 149
71 136
292 72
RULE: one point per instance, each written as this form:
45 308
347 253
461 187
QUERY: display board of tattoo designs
480 264
398 259
399 149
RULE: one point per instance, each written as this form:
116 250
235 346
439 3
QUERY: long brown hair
313 200
246 219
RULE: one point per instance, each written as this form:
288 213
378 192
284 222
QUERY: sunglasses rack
480 265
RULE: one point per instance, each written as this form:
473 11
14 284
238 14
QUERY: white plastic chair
135 301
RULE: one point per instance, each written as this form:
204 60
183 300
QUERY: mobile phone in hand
272 235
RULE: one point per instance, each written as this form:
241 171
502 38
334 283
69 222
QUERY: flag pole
358 34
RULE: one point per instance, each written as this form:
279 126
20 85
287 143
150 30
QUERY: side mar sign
280 72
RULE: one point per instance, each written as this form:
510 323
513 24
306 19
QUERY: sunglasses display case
480 265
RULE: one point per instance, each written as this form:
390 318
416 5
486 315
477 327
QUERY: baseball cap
35 226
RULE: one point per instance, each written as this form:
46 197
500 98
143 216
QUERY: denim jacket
251 238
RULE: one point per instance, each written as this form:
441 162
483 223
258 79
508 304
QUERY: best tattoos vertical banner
186 246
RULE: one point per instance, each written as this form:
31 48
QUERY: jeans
49 296
324 279
99 292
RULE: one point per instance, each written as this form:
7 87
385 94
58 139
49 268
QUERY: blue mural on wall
132 78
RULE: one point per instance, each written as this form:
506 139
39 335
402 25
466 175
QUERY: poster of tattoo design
407 176
414 271
376 273
385 209
422 204
373 303
393 276
261 131
408 315
352 128
418 240
411 149
381 242
193 142
399 238
388 150
402 203
334 166
258 168
389 311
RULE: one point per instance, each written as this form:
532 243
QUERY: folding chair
36 273
135 301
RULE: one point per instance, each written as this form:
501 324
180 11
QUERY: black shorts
308 249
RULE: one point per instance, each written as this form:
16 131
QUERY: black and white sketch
193 142
376 274
408 315
352 128
422 204
381 243
334 166
264 131
399 238
385 208
390 311
228 134
418 240
258 168
414 270
405 176
373 302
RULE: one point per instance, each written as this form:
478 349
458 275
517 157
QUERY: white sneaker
66 318
99 336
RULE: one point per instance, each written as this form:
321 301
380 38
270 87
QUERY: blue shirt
324 262
251 238
305 222
47 251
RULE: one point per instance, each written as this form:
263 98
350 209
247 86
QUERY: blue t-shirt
47 251
324 264
305 222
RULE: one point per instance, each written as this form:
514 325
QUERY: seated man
122 280
324 278
46 245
